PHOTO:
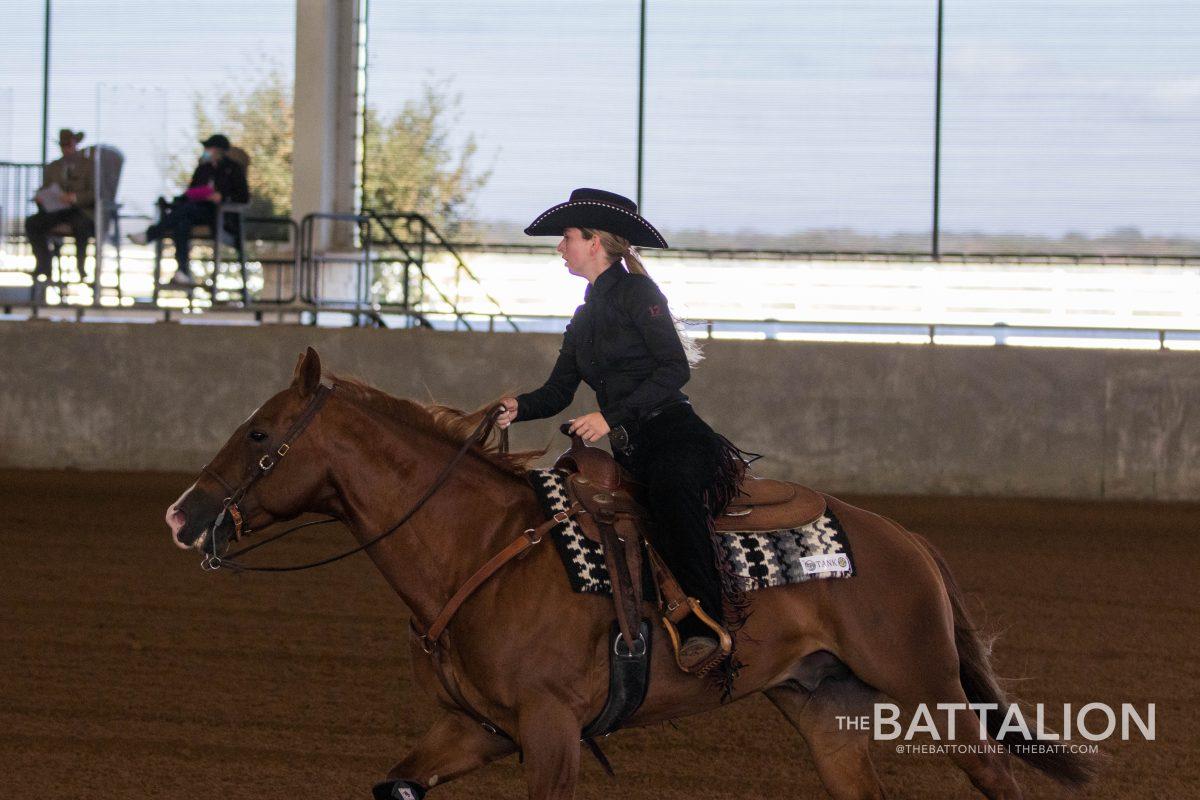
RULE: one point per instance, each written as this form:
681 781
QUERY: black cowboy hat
68 136
217 140
605 211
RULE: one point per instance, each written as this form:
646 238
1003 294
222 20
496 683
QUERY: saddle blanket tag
832 562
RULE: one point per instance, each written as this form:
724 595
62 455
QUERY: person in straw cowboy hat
67 195
626 345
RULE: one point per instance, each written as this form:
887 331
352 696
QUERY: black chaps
690 472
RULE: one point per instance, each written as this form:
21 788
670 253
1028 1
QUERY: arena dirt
126 672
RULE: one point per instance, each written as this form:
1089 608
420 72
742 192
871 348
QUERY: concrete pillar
325 107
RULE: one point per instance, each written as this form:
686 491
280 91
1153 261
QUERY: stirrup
719 653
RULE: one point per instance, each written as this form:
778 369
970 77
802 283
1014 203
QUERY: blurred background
943 259
871 164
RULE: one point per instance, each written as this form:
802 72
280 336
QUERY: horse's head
249 483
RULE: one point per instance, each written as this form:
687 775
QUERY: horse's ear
307 375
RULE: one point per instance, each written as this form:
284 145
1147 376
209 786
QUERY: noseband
264 465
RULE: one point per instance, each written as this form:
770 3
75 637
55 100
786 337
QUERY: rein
214 561
429 638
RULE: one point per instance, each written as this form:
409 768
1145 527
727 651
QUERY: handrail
1162 337
412 253
444 243
420 265
308 257
410 248
765 254
294 234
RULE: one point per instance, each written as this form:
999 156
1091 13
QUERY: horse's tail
981 685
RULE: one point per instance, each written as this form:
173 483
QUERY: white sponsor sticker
832 562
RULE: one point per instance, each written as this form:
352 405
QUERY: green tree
411 164
413 167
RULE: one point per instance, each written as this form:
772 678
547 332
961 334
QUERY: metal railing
424 239
18 183
387 247
293 228
400 265
798 332
866 256
919 333
314 254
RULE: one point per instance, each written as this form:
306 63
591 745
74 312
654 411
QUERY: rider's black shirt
622 342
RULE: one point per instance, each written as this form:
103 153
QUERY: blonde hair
619 247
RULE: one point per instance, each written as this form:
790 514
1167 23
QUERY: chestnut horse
531 655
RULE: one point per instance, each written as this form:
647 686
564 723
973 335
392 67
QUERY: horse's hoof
397 790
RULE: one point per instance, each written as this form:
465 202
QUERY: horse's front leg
550 740
454 746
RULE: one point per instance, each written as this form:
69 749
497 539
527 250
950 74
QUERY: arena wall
879 419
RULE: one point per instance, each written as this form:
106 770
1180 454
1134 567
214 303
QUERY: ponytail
619 247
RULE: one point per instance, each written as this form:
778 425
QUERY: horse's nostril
175 520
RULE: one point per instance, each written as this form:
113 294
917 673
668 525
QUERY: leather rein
214 561
429 638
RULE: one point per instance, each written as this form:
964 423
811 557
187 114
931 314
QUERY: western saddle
618 520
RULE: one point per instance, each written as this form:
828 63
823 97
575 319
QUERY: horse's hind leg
842 754
918 664
988 770
910 654
453 746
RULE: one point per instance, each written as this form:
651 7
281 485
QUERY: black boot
397 790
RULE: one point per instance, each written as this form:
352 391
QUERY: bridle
428 638
262 467
214 561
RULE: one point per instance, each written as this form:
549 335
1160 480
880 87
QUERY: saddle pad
761 558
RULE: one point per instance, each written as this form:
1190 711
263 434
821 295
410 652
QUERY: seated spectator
67 195
218 178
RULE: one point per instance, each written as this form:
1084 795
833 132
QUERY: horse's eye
257 436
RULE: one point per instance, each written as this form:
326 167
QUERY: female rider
624 343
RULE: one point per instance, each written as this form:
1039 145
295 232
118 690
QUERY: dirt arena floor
127 672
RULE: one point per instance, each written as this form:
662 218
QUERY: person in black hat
626 344
217 178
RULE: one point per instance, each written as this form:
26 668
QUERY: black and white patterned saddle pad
762 558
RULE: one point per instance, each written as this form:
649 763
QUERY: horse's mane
452 425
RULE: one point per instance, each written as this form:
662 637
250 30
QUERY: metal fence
396 270
923 128
873 125
392 263
18 183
